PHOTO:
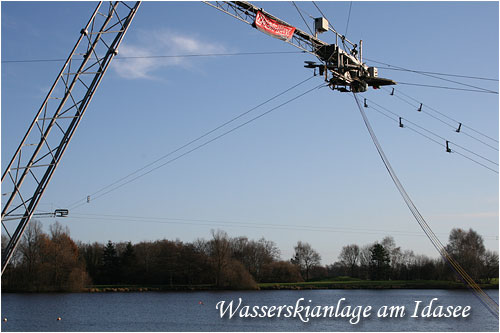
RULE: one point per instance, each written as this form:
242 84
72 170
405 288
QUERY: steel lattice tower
42 147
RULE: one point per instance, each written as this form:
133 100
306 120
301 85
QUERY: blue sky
310 163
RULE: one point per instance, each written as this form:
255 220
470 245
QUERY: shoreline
319 285
311 285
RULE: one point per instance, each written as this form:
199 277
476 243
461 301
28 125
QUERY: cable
436 73
170 220
331 27
446 123
490 304
439 143
205 143
320 11
449 88
467 157
306 13
192 141
436 77
348 18
425 112
298 10
445 116
167 56
432 133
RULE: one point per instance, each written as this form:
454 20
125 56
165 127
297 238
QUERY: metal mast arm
346 69
32 166
246 12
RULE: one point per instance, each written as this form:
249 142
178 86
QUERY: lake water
196 311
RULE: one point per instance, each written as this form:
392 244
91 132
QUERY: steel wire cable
237 223
424 111
303 19
167 56
348 19
444 122
191 141
443 115
435 241
206 143
436 77
437 73
453 151
434 134
306 13
437 135
319 10
342 37
446 87
490 304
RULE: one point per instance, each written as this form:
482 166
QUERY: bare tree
30 249
201 246
394 252
30 245
365 255
305 258
490 265
220 252
254 255
467 248
349 257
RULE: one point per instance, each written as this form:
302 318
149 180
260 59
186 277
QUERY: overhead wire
348 19
446 123
454 127
303 19
229 223
167 56
489 303
443 115
448 88
329 23
436 77
342 37
319 10
443 139
192 141
203 144
439 73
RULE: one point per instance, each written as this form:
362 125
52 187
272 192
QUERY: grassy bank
142 288
338 283
364 284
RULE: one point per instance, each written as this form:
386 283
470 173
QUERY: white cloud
160 43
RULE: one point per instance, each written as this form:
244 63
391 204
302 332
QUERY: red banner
273 28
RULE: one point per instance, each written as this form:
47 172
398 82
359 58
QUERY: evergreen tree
127 264
110 264
379 266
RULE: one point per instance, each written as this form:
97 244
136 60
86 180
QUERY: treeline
54 262
221 262
384 260
45 262
224 262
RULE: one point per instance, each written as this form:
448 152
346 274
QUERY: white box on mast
320 24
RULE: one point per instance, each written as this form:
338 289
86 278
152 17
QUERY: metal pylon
35 160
